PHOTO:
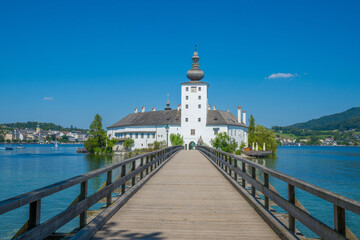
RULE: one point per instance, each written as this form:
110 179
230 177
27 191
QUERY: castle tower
194 103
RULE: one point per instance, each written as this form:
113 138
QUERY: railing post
83 195
34 214
141 164
339 220
108 182
230 162
266 184
253 175
133 169
147 168
243 168
151 161
123 173
235 167
291 197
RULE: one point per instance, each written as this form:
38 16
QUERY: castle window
187 97
187 88
199 97
154 135
199 106
142 135
192 132
199 119
186 119
130 135
199 89
136 135
186 106
216 131
193 89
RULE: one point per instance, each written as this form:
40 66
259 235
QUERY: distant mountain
43 126
350 119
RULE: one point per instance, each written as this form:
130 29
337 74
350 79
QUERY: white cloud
282 75
48 98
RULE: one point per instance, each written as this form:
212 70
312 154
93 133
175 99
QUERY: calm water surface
334 168
23 170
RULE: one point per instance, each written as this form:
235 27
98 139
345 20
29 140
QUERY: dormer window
193 89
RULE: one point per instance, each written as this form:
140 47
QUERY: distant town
319 138
32 132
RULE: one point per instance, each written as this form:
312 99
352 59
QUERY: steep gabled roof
170 117
173 117
217 117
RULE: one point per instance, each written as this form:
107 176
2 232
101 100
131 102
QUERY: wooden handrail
340 202
35 230
26 198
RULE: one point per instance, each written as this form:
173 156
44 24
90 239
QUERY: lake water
334 168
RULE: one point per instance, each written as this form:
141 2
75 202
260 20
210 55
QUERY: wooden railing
33 229
236 167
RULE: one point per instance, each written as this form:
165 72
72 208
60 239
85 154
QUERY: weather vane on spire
195 46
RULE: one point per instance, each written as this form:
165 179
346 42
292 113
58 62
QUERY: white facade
194 104
196 121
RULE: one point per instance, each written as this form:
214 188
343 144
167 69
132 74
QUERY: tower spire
195 74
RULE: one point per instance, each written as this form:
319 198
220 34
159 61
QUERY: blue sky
282 61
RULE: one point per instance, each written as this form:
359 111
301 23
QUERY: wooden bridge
204 194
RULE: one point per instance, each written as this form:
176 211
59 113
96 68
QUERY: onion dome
195 74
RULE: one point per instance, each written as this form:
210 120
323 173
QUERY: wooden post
243 168
123 173
142 172
235 167
266 184
253 175
339 220
34 214
83 195
147 161
151 161
133 169
108 182
230 162
291 199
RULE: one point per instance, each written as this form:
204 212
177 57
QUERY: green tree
128 143
97 137
251 130
176 139
224 143
262 134
2 139
48 138
314 140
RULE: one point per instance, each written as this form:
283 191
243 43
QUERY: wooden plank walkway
187 199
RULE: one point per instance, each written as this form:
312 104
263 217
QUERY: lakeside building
193 119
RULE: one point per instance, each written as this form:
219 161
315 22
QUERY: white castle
193 119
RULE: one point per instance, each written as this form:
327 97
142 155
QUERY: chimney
239 114
179 107
209 107
214 107
244 117
135 110
142 109
153 109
